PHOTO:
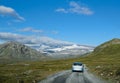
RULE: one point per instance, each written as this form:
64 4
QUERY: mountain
48 46
15 50
61 50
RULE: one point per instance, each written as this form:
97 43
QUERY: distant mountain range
45 47
62 49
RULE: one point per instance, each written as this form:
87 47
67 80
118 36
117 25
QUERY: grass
38 70
35 70
29 71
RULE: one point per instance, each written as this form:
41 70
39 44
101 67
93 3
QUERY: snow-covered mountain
62 49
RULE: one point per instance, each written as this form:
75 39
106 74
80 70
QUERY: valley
103 61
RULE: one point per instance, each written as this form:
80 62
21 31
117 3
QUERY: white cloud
30 29
29 39
16 37
11 37
7 11
61 10
75 8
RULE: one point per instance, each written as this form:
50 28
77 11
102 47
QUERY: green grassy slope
105 60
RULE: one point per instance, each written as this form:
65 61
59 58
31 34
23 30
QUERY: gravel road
73 77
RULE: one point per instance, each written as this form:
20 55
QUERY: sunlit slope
105 60
110 48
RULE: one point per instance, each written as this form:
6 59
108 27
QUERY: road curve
73 77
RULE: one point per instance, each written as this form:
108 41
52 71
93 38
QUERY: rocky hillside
15 50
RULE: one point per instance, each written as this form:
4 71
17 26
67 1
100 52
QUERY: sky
88 22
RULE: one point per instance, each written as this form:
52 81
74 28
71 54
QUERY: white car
77 67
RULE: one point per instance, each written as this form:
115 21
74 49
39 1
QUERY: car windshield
77 63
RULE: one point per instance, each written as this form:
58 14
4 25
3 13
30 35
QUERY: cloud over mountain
29 39
48 46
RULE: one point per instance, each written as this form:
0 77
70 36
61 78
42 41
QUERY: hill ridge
16 50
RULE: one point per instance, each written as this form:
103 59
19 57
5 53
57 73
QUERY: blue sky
90 22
